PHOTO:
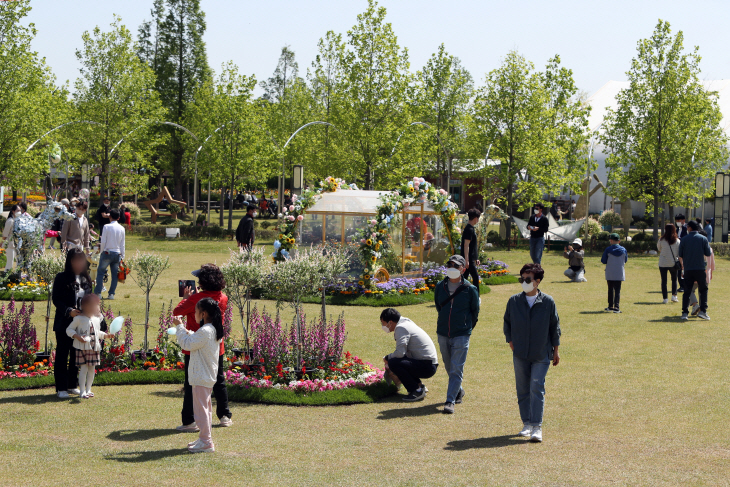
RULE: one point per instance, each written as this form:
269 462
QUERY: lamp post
722 205
297 179
283 169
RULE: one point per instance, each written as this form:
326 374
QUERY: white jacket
204 351
80 326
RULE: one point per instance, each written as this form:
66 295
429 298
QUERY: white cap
578 241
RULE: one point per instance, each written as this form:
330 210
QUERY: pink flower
442 191
290 218
294 197
300 218
373 222
362 241
291 208
421 180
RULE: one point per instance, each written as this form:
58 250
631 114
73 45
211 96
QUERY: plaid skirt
88 357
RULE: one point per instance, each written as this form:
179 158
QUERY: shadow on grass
175 393
145 456
650 302
600 312
38 399
406 412
492 442
140 435
669 319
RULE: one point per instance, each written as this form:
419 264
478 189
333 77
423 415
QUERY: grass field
639 398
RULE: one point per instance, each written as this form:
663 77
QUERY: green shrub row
101 379
353 395
213 232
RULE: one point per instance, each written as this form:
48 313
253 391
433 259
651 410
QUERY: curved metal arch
172 124
56 128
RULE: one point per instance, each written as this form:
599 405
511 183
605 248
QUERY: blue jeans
110 259
453 355
530 379
536 247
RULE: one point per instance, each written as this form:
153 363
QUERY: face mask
536 211
528 287
453 273
17 214
385 328
255 214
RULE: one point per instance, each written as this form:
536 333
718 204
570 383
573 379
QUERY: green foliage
173 208
642 225
244 272
146 268
602 235
101 379
610 218
664 137
134 211
593 228
641 237
351 395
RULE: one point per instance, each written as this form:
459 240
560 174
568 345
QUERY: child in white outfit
86 330
204 348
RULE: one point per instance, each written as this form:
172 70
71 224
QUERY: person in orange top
211 284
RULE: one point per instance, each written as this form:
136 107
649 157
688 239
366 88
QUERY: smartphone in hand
184 283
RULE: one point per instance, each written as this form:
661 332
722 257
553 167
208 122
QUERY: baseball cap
458 260
614 236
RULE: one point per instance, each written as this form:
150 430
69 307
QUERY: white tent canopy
566 232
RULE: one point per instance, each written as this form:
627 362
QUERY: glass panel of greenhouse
418 236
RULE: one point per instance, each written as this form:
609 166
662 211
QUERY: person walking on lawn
112 253
538 225
457 302
211 282
245 232
532 330
693 249
415 355
615 257
470 246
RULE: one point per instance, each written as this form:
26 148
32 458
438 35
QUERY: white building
606 97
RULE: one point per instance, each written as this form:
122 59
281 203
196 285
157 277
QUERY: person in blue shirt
692 252
708 228
615 257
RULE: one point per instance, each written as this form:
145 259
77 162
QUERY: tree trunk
508 223
221 205
230 205
656 216
186 195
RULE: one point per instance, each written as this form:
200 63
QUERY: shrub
720 249
641 237
593 228
176 222
134 212
493 237
173 208
642 225
33 210
602 235
610 218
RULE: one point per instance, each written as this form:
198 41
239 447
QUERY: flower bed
19 288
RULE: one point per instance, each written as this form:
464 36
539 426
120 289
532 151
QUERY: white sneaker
675 299
63 395
665 301
526 431
188 428
685 316
75 391
703 315
226 422
111 297
536 436
202 448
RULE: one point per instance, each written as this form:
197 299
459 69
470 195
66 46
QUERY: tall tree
537 128
445 89
171 43
115 90
374 92
30 101
664 134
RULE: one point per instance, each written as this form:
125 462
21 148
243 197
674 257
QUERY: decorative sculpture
582 207
28 232
165 193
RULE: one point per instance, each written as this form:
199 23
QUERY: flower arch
376 235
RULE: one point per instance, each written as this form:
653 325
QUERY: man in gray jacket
532 329
615 257
415 354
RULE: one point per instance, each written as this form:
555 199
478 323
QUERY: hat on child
614 236
578 241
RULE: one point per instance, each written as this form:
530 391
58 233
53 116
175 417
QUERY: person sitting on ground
615 257
532 330
415 355
574 253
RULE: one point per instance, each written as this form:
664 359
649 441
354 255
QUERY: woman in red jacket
211 284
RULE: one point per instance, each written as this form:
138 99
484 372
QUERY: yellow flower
360 283
373 258
281 236
380 242
377 247
368 242
366 277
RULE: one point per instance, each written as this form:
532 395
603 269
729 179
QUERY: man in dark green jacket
532 330
457 302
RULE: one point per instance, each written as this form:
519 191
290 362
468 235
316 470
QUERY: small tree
45 267
610 218
245 270
145 268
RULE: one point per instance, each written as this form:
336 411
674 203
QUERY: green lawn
639 398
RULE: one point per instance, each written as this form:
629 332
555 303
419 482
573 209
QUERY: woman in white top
8 242
668 247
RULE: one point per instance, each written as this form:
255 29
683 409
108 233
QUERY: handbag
677 264
123 271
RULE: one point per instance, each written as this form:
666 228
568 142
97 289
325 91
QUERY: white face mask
528 287
255 214
17 214
453 273
536 211
385 328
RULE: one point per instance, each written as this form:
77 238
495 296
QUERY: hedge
101 379
352 395
384 300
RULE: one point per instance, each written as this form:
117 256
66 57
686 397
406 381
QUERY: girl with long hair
668 247
203 345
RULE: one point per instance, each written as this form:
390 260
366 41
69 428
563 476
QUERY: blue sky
597 39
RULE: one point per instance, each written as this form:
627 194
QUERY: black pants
67 376
690 278
410 371
672 272
472 272
614 293
220 392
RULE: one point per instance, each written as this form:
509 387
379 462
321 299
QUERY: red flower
261 360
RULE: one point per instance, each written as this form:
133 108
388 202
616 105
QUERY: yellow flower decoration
380 242
360 283
366 277
373 258
377 246
368 242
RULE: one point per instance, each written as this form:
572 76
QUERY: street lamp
722 204
298 178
